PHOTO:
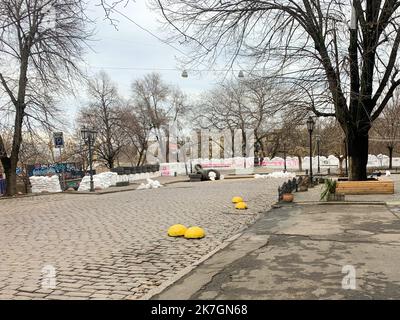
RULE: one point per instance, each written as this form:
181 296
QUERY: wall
277 163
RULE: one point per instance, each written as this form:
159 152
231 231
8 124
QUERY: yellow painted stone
241 205
237 199
177 230
194 233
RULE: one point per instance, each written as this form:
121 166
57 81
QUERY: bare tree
296 142
176 115
41 42
347 49
137 127
333 141
224 108
104 114
387 127
249 104
151 94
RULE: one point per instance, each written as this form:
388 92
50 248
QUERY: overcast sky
129 52
132 49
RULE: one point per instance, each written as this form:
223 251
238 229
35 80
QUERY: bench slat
365 187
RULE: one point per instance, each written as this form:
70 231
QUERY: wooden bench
365 187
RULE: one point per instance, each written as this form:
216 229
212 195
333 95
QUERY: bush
330 188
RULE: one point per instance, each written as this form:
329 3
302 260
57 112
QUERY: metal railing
138 169
288 187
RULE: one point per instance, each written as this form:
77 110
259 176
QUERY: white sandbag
100 181
212 175
275 175
151 184
141 187
48 184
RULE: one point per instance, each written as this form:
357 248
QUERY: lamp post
346 156
310 128
89 137
318 145
284 158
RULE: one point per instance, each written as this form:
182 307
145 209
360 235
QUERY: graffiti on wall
69 169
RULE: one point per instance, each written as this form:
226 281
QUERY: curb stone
187 270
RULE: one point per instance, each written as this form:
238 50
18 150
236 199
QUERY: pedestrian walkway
304 252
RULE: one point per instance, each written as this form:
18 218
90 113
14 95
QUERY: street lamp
310 128
318 144
184 74
284 158
346 156
89 137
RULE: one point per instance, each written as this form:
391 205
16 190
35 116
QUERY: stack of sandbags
108 179
135 176
275 175
123 178
84 185
155 174
99 182
105 180
141 176
45 184
131 178
38 184
151 184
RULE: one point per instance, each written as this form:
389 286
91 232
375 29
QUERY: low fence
288 187
134 170
277 163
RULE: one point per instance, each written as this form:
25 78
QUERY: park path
114 246
308 251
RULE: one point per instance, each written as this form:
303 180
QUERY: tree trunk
167 148
140 157
341 159
110 163
244 142
300 163
390 157
12 162
233 142
358 154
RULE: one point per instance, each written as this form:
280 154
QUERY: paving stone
79 294
27 289
116 244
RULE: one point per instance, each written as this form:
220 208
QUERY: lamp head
310 124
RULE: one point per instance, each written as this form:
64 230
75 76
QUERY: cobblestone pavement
114 246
